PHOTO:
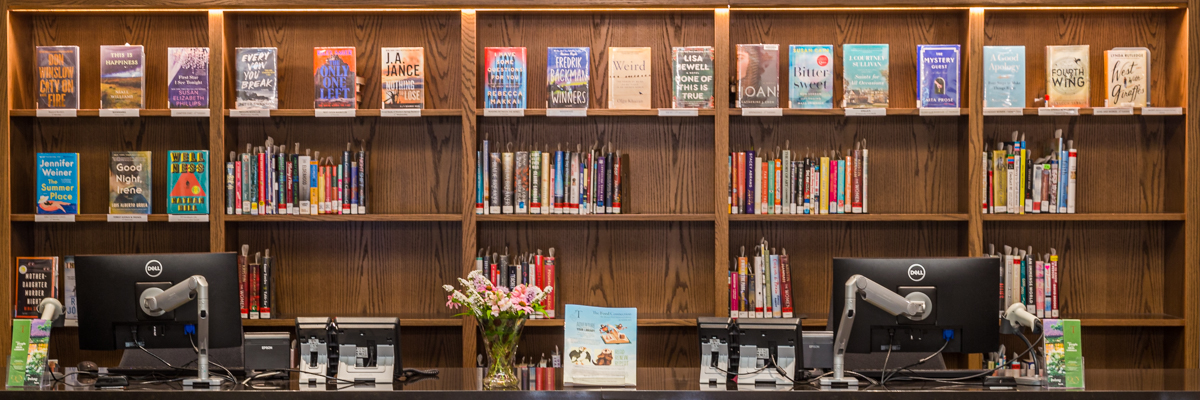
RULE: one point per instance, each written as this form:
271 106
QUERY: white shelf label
762 112
1058 111
127 113
400 112
190 112
187 218
250 113
866 112
504 112
566 112
335 113
1155 110
64 113
1112 111
1003 111
940 112
54 218
128 218
678 112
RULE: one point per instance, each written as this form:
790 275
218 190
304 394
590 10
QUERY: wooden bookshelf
1130 253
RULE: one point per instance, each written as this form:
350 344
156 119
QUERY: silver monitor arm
916 306
156 302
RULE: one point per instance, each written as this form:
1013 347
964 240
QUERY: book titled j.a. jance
129 182
758 75
257 78
693 76
938 66
122 77
1004 76
629 77
403 77
333 77
504 80
57 183
568 70
187 182
865 75
1067 79
601 346
187 77
810 83
58 77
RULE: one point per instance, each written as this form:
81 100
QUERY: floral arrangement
487 302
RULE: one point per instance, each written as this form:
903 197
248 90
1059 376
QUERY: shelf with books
593 217
605 112
244 218
1085 217
290 322
946 217
842 111
362 112
96 113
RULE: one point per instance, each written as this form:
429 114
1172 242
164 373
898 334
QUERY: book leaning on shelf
529 269
1017 183
1030 279
545 182
58 77
129 182
268 180
256 284
783 183
57 183
760 285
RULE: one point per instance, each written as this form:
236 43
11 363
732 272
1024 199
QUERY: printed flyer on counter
601 346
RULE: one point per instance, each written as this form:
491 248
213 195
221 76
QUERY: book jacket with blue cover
811 77
1004 76
601 346
865 75
187 178
58 183
568 70
504 77
939 75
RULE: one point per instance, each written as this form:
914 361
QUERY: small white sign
63 113
1159 110
187 218
400 112
1112 111
54 218
335 113
1003 111
190 112
128 218
121 113
250 113
678 112
866 112
762 112
566 112
504 112
940 112
1058 111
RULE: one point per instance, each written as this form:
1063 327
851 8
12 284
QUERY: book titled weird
187 77
58 77
938 66
58 183
811 77
568 70
403 77
865 75
122 77
129 182
187 182
257 78
629 77
333 77
504 81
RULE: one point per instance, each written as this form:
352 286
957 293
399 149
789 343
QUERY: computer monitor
109 287
962 292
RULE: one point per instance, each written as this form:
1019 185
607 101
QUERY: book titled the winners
333 77
629 77
58 77
403 75
568 70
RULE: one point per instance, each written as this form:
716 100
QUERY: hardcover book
187 77
187 178
58 183
129 182
758 75
939 76
865 80
29 352
1004 76
811 78
122 77
58 77
257 79
693 77
504 81
37 278
629 77
568 71
1067 79
1127 71
601 346
403 77
333 77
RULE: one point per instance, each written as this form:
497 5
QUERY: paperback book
568 70
273 179
584 181
122 77
1004 76
257 79
58 77
865 80
601 346
629 77
129 182
758 75
333 77
504 82
187 77
37 278
58 183
1064 353
811 78
1067 79
760 285
187 176
1128 75
693 86
29 352
1018 181
403 77
939 69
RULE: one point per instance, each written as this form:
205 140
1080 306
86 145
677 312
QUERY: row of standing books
529 269
545 182
1068 80
760 286
256 283
1017 183
130 182
268 180
783 183
1029 278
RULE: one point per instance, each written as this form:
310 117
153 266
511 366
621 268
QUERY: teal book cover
1004 76
187 178
810 81
865 75
601 346
58 183
129 182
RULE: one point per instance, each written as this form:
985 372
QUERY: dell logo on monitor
154 268
916 272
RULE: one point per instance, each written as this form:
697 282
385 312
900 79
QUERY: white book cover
629 78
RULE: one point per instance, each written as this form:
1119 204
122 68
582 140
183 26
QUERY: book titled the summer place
810 83
568 70
865 75
601 346
57 183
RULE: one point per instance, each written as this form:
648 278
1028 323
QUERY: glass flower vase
500 338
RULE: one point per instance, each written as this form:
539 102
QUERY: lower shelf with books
405 320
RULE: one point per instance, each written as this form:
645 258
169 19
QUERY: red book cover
733 294
262 178
243 273
253 291
856 188
539 266
237 187
549 274
785 276
833 186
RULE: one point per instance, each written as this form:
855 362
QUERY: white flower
448 288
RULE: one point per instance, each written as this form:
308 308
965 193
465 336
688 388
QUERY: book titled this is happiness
783 183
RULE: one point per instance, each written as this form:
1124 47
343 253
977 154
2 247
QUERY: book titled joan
257 78
758 75
601 346
122 77
865 77
1067 78
939 69
58 183
504 81
568 70
629 77
1004 76
187 77
811 77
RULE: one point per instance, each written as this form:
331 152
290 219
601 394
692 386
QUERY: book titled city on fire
187 178
129 182
568 70
601 346
1067 79
629 77
257 79
758 75
58 77
1127 72
693 77
939 79
811 80
504 82
122 77
865 80
333 77
187 77
1004 76
58 183
403 77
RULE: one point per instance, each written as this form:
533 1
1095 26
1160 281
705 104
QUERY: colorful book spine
1017 181
257 78
758 75
333 77
403 77
129 182
693 77
122 77
788 184
940 69
276 181
865 75
1004 76
187 77
58 77
504 83
187 176
568 73
811 77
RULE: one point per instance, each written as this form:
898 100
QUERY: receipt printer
267 351
314 337
368 348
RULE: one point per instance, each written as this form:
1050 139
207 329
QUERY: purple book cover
187 77
939 69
